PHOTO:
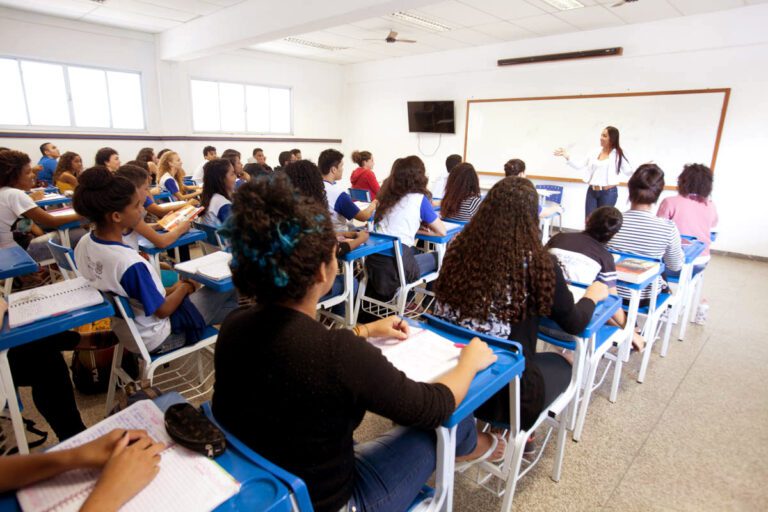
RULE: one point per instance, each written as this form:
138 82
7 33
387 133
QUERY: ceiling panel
149 10
63 8
548 8
590 18
440 42
545 25
647 10
504 30
505 9
456 14
472 37
689 7
199 7
129 20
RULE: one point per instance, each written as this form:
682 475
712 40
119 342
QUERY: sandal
466 464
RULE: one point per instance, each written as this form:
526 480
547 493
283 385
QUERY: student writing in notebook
16 177
497 279
340 204
140 179
218 186
171 178
462 194
295 391
129 460
167 319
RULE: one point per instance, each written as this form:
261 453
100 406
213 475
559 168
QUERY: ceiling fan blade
406 41
392 34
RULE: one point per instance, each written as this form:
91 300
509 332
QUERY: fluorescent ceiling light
420 21
312 44
564 5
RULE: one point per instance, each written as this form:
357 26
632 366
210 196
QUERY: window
42 94
228 107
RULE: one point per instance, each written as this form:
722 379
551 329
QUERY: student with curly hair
462 194
363 177
298 394
497 279
692 211
166 318
404 209
65 176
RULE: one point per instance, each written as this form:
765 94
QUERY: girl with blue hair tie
295 391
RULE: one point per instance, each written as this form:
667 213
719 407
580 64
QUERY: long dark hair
613 138
462 183
407 176
307 180
512 278
145 155
65 165
214 180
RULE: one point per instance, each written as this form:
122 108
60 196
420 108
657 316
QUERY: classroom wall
317 87
723 49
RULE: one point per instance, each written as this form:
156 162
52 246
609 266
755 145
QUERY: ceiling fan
622 2
392 38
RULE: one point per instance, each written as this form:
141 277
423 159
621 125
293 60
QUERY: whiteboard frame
725 91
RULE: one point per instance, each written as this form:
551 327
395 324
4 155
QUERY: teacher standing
602 172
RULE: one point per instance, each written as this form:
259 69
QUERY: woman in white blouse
602 172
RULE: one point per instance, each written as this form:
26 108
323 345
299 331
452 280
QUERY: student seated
404 210
584 258
462 194
642 232
363 177
167 319
516 167
108 158
129 460
147 159
218 187
209 153
254 170
234 158
340 204
172 176
297 395
16 178
692 211
65 176
47 164
140 179
497 279
40 365
441 180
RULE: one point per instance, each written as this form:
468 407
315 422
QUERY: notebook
187 481
449 226
424 357
29 306
213 266
577 292
173 219
635 270
61 211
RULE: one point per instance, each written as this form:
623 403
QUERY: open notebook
187 481
55 299
424 356
449 226
213 266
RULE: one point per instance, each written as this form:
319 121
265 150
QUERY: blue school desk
686 282
440 243
54 201
14 262
147 247
10 338
161 197
222 285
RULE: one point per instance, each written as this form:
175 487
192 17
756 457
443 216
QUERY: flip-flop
465 465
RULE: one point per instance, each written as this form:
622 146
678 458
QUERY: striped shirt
583 259
644 234
467 208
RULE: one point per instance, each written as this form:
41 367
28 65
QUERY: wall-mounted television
431 117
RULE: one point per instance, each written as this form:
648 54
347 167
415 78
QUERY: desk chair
65 260
360 194
556 197
212 238
396 304
191 378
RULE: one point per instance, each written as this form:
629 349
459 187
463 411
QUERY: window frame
70 104
245 107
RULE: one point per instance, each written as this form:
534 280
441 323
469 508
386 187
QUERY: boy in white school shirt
340 204
209 153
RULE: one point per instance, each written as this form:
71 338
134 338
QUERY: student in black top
295 392
498 279
584 258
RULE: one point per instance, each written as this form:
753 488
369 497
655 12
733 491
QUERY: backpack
92 362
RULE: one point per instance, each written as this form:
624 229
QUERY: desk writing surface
15 261
190 237
376 243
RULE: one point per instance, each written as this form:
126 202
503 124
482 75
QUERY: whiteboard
669 128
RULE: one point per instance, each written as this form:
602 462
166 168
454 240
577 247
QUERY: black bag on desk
192 429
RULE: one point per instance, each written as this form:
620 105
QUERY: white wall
724 49
317 87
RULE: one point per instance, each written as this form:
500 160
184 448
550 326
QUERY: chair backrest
211 235
65 259
556 198
162 197
360 194
125 311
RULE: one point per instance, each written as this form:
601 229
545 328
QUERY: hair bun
95 178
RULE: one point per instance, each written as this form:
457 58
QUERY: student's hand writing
391 327
477 356
596 292
562 152
128 471
97 453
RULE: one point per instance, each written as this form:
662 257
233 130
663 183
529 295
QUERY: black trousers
40 365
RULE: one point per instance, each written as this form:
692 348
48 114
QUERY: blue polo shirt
46 173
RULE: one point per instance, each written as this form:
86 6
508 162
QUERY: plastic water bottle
701 313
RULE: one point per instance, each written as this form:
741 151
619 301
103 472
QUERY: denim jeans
213 307
427 262
338 287
392 469
598 198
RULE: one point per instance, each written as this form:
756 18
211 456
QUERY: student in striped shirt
462 194
642 232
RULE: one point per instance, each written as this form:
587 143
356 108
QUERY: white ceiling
471 22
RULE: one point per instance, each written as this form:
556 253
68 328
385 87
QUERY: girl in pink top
363 177
692 210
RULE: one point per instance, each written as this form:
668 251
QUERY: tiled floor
694 436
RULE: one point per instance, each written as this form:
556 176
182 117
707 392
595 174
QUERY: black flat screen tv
431 117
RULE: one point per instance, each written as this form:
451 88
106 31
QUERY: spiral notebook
213 266
187 481
55 299
424 357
